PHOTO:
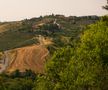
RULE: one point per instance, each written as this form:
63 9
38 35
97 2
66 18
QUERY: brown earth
31 57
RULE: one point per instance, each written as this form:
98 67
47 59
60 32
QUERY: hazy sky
21 9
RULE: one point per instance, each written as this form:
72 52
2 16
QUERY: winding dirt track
31 57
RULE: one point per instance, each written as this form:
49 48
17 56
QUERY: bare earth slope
31 57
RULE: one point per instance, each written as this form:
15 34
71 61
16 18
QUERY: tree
87 69
42 83
106 6
57 65
16 73
86 66
30 74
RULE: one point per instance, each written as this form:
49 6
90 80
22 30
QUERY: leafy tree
42 83
30 74
86 66
16 73
51 27
57 65
87 69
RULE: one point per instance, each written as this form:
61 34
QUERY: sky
12 10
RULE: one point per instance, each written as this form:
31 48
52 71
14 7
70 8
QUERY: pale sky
20 9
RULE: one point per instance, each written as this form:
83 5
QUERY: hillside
48 33
26 58
22 33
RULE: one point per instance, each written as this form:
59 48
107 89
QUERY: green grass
10 40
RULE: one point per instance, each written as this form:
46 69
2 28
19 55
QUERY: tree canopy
84 67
